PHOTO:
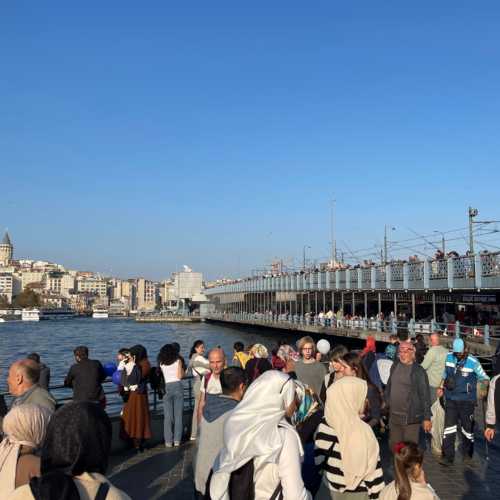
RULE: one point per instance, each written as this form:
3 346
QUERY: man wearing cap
461 376
407 394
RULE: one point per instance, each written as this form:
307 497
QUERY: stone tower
6 250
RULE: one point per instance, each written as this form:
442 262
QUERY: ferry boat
100 312
36 314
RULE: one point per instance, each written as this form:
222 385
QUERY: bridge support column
308 302
379 297
353 304
366 304
324 302
434 306
395 305
342 302
413 307
316 303
333 302
302 304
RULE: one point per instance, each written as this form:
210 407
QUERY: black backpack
241 485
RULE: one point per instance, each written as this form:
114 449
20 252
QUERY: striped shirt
328 458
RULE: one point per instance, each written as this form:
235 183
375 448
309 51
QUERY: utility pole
332 230
385 244
443 241
304 257
473 212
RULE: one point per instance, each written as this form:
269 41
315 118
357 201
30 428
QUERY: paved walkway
161 473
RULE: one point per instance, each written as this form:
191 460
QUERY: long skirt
136 421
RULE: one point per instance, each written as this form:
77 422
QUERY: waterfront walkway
162 473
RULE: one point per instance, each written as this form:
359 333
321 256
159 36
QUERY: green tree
27 298
4 303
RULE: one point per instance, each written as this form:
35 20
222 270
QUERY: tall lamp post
304 257
443 241
386 241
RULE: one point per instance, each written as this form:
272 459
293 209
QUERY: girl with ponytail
410 483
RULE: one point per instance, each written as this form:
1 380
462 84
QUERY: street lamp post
304 257
443 241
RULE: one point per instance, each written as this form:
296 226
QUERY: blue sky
138 137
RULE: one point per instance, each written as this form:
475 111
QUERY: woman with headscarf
74 457
346 447
24 430
257 431
258 364
136 420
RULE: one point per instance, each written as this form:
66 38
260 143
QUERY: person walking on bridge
434 363
461 377
408 395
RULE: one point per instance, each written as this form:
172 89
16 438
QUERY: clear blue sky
136 137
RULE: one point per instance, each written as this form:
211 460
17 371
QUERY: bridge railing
114 402
480 271
477 333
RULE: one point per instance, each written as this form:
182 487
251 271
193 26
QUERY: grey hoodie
210 439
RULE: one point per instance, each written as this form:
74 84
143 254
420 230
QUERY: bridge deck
161 473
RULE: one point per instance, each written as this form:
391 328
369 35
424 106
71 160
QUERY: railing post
373 277
450 270
394 326
388 276
433 325
379 325
457 329
406 276
478 271
487 334
411 325
426 274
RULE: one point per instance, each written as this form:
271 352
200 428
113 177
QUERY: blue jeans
172 411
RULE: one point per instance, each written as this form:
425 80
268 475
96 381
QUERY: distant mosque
6 250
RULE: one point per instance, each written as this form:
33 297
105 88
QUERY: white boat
36 314
30 315
100 312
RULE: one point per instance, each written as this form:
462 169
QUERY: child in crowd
410 483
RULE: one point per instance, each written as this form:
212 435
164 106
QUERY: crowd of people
289 423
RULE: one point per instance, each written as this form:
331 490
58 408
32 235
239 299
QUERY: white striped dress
328 458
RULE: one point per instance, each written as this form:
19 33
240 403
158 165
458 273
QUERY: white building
92 285
187 284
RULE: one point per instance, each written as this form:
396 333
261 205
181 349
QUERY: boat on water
100 312
36 314
10 315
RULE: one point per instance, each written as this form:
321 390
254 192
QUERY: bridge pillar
395 305
333 302
366 305
342 302
406 276
316 303
413 307
478 270
353 304
486 334
450 263
434 306
426 274
379 296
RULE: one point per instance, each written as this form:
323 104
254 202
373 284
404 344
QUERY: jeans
173 402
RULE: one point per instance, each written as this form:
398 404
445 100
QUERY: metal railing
114 402
478 333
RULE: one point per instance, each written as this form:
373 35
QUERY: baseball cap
458 346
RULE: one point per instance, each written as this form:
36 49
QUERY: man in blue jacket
461 376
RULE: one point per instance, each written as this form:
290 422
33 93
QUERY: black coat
419 407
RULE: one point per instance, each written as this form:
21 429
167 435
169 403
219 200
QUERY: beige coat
419 491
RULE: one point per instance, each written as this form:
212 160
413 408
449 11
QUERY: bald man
210 383
23 384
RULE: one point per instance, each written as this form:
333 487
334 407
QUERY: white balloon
323 346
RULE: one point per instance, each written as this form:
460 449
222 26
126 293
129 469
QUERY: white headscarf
251 431
24 425
359 448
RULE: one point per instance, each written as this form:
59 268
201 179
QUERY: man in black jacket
86 377
408 396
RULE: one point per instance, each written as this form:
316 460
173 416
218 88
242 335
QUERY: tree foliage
27 298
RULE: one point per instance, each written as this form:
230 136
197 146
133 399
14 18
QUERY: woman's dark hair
337 353
355 362
238 346
124 351
196 344
78 440
139 351
168 354
406 456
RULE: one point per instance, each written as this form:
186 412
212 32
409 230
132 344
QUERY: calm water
55 340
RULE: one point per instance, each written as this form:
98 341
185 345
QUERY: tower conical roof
6 239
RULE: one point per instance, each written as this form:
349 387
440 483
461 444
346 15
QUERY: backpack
241 484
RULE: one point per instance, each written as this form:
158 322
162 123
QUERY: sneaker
176 443
168 445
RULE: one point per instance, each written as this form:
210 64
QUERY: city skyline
137 140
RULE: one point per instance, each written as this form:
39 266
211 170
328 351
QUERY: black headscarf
78 440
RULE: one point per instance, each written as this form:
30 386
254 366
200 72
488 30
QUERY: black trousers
455 412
